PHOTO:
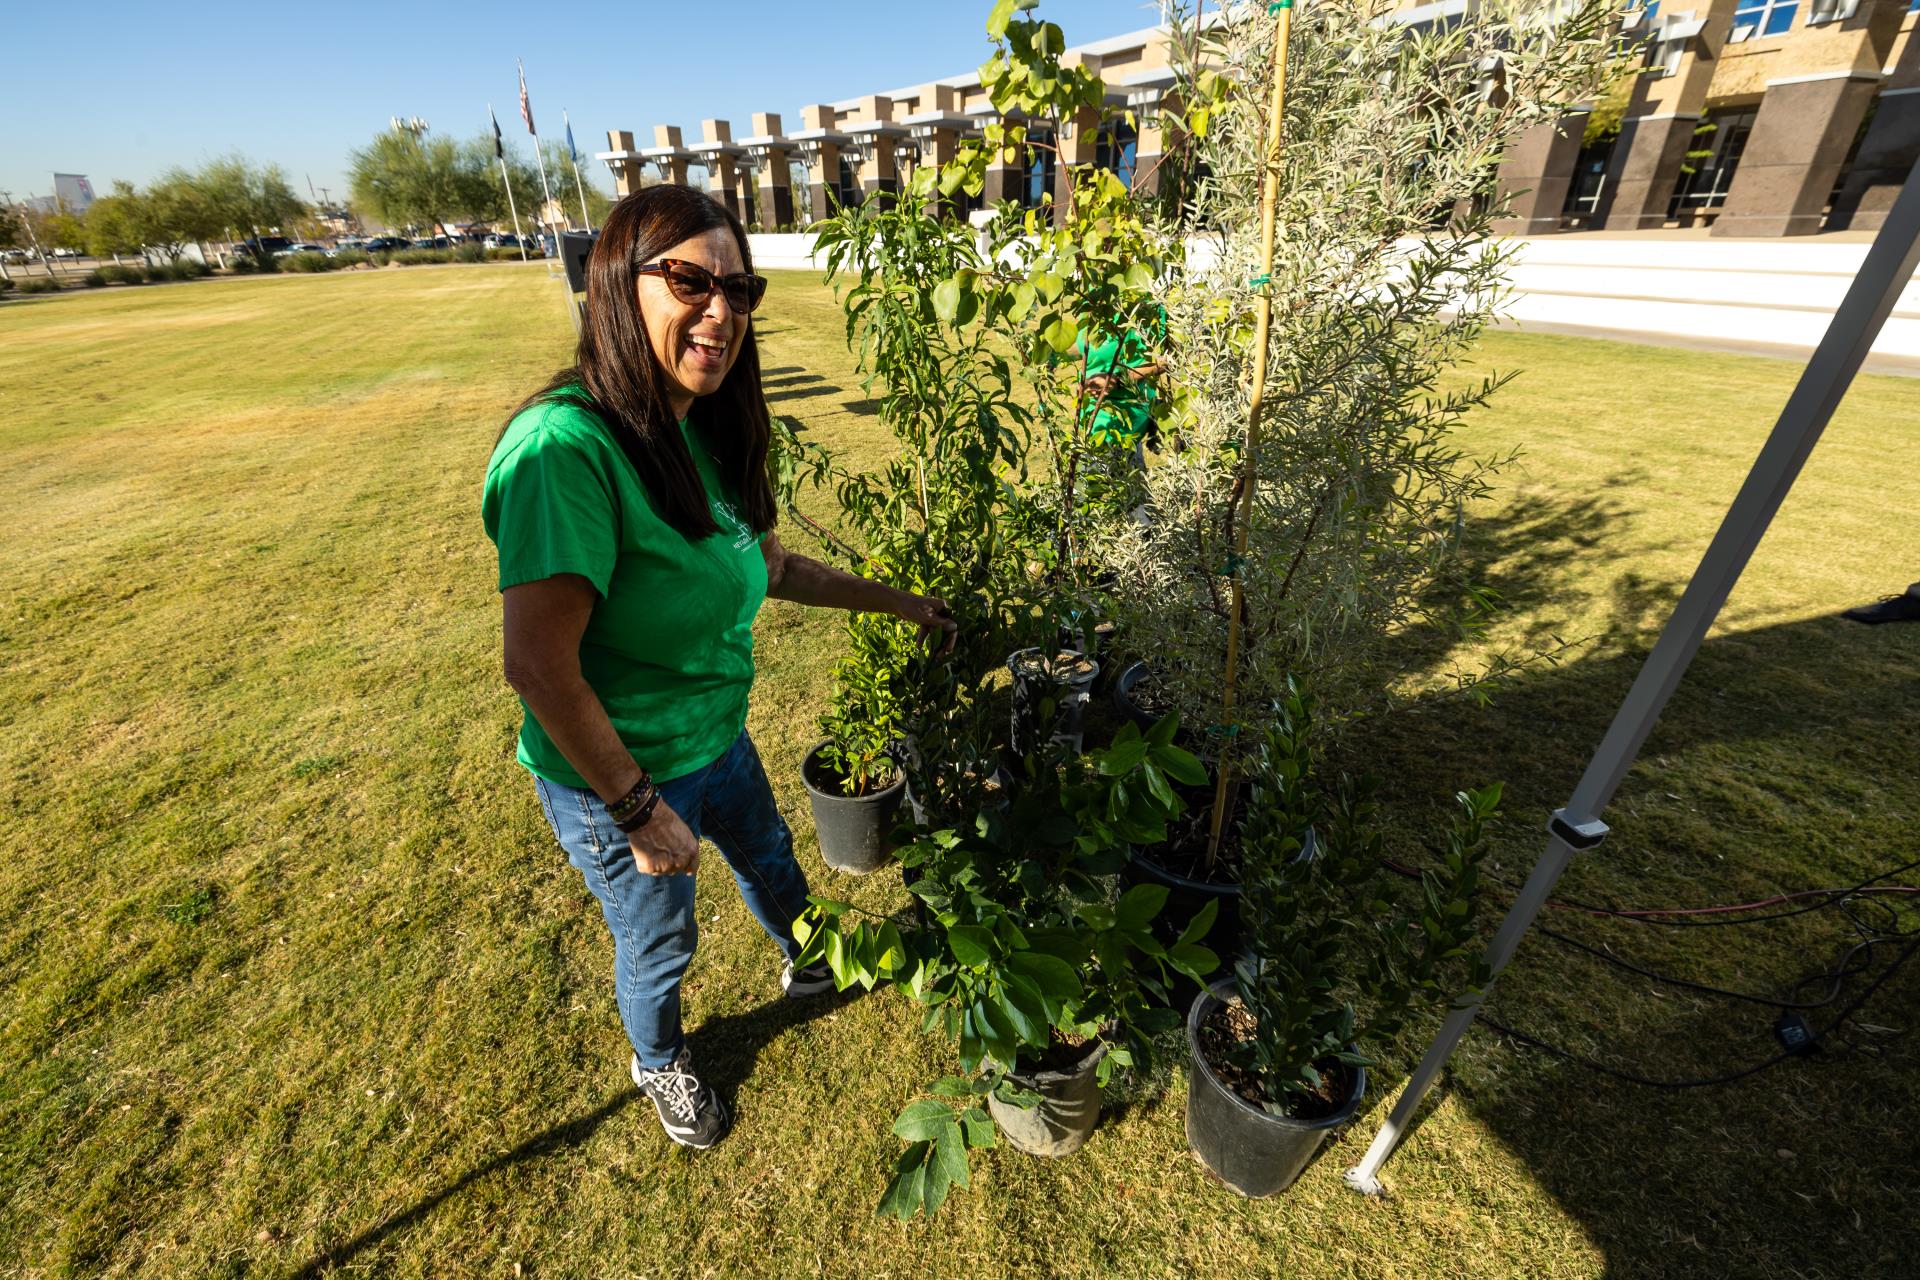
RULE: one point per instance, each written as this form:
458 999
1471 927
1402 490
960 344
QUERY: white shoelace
679 1086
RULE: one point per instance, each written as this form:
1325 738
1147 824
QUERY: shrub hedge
39 284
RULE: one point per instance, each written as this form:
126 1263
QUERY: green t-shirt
1123 416
669 647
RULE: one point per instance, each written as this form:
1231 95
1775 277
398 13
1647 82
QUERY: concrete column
1079 149
1643 171
724 182
878 172
626 173
1150 147
1882 164
668 135
1536 174
1794 154
776 176
1004 178
823 161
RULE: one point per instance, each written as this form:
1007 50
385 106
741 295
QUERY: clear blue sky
124 90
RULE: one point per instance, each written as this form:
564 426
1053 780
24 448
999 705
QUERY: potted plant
1311 525
1043 976
1339 950
854 780
972 346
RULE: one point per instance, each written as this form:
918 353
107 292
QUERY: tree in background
113 223
407 181
246 197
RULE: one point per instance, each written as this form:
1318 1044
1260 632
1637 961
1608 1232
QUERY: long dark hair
615 376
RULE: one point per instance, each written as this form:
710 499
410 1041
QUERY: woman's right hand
665 846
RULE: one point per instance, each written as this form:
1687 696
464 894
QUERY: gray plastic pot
853 829
1253 1151
1069 1108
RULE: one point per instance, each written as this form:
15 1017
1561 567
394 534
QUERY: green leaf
1183 765
1122 757
1020 1000
1048 286
1140 277
1098 915
998 18
1202 921
950 1154
970 944
923 1120
1193 959
1023 296
946 300
1054 976
1140 904
978 1127
903 1195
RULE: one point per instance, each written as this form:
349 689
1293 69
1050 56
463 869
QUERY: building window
1712 177
1755 18
1041 163
802 197
847 190
1117 150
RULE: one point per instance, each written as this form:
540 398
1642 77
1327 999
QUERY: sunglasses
693 284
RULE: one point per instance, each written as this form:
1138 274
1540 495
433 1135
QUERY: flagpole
526 113
500 153
574 160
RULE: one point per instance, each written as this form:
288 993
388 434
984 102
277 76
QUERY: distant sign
73 190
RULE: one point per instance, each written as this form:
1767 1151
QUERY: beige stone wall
1903 68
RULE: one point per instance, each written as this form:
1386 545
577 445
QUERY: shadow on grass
1788 759
726 1049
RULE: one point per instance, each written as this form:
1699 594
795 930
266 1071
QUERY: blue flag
572 154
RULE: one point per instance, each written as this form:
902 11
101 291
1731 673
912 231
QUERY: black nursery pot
1068 719
1123 701
1066 1114
1185 898
1253 1151
853 829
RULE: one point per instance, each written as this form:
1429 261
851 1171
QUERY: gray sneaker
811 981
690 1112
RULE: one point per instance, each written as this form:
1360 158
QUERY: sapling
1316 546
1340 948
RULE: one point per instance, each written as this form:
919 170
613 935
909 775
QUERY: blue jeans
652 917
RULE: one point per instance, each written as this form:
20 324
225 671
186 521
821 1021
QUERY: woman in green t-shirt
631 506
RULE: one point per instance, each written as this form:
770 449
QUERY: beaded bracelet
629 804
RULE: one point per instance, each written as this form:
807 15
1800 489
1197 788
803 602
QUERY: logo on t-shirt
742 533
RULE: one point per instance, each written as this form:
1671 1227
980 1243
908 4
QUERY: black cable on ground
1634 1078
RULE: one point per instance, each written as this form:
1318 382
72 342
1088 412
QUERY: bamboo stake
1263 324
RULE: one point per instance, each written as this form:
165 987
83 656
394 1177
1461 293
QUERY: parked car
384 244
263 246
502 240
348 244
299 247
433 242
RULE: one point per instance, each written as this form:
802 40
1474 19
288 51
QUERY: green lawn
296 981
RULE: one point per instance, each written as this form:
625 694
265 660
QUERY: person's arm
544 623
807 581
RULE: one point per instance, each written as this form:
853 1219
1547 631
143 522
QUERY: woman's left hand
931 615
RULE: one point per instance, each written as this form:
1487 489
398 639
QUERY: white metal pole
1885 272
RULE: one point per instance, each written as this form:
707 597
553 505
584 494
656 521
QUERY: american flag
526 109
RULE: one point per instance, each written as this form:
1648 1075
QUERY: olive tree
1385 271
